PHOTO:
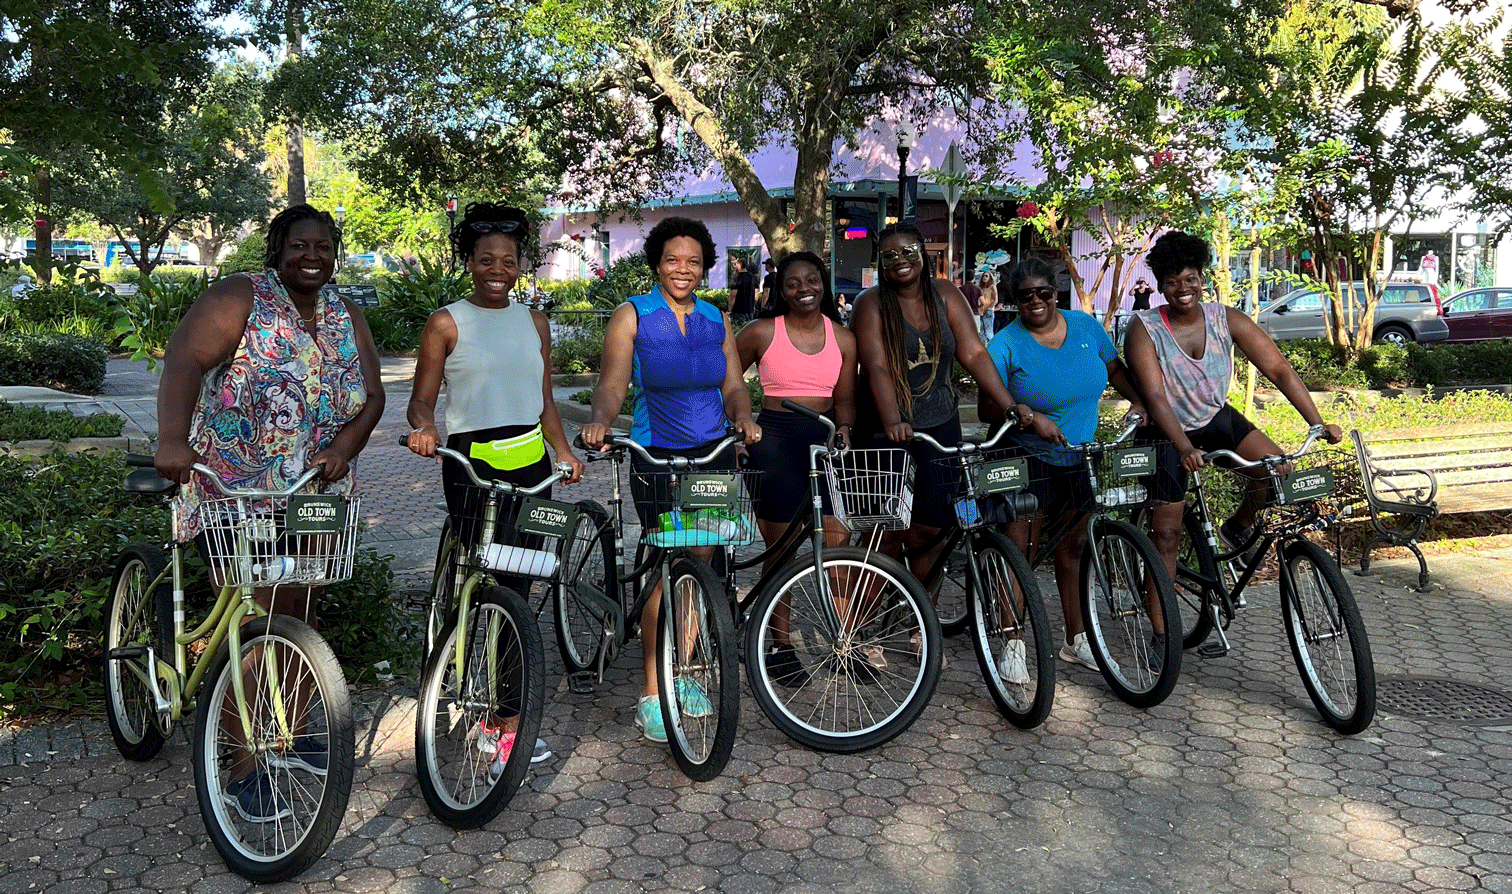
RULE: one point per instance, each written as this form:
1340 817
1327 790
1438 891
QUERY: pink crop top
788 372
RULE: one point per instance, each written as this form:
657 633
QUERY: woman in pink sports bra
804 354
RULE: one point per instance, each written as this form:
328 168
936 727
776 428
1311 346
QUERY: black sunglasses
497 226
1026 296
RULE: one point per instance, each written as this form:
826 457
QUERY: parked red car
1479 315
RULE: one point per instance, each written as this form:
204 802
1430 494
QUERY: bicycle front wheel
831 660
1010 631
697 670
138 617
272 803
589 568
475 727
1328 638
1128 605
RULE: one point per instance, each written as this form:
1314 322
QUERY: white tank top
493 375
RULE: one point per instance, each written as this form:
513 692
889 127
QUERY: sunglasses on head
497 226
1029 296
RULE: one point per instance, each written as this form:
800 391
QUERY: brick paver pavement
1232 785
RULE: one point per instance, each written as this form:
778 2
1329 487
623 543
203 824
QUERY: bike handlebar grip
404 440
139 460
789 404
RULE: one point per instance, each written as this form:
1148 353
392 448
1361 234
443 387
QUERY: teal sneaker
692 698
648 717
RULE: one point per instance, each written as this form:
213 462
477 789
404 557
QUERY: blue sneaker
692 698
648 717
309 753
255 798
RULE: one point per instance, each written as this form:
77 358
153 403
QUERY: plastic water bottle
274 569
727 526
518 560
1123 494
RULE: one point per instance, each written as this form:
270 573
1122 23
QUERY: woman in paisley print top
267 375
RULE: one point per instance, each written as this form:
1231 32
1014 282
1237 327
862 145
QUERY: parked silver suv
1407 312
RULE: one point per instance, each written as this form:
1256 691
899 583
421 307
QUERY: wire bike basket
539 532
992 486
1122 475
871 487
702 508
302 539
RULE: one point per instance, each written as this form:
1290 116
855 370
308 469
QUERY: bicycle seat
147 481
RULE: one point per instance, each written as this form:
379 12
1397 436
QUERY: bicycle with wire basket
272 747
829 634
1010 631
482 691
599 601
1318 611
1127 599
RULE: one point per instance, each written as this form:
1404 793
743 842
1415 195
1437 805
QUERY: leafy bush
37 424
1322 366
720 298
54 360
576 354
628 276
571 294
247 257
145 321
362 621
407 300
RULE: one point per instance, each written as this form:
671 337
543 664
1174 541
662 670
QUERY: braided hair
892 320
779 306
278 230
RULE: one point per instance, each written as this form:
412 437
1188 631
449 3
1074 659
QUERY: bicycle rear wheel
832 666
1328 638
137 619
588 567
445 581
697 671
1195 563
467 767
1119 570
295 772
1010 631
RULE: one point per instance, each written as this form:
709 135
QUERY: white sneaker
874 657
1079 651
1011 664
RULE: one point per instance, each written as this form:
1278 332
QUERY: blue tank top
677 377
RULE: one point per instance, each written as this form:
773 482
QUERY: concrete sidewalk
1232 785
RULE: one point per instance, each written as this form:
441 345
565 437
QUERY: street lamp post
341 225
906 213
451 220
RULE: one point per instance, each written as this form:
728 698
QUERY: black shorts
1224 431
782 455
936 483
650 486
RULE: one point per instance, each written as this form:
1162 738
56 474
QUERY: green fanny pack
511 453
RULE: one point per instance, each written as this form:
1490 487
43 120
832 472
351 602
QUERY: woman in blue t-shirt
1057 363
680 353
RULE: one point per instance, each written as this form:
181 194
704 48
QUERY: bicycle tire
1328 638
503 658
698 660
838 701
134 618
1001 622
588 562
1195 562
1116 565
443 591
282 848
952 602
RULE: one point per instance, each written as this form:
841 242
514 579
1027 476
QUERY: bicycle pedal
582 682
1212 650
414 601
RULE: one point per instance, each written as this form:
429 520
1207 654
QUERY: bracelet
845 425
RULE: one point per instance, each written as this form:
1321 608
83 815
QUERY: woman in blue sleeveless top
680 353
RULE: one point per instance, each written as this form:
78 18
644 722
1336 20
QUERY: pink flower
40 223
1028 209
4 175
1162 157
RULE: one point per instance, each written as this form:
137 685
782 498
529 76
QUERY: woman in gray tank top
1180 356
910 330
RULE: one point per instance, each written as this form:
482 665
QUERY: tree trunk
294 126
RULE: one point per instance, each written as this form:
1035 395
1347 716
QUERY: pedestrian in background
989 305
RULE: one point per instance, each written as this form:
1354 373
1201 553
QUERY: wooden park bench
1413 475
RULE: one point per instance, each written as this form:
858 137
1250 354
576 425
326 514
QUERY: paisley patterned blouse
285 394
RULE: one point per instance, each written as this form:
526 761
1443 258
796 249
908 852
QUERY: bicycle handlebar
146 462
615 439
1134 421
1239 462
560 473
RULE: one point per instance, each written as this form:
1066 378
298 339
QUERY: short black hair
279 227
1176 251
779 305
464 238
1030 268
673 227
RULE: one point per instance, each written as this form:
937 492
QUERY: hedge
54 360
